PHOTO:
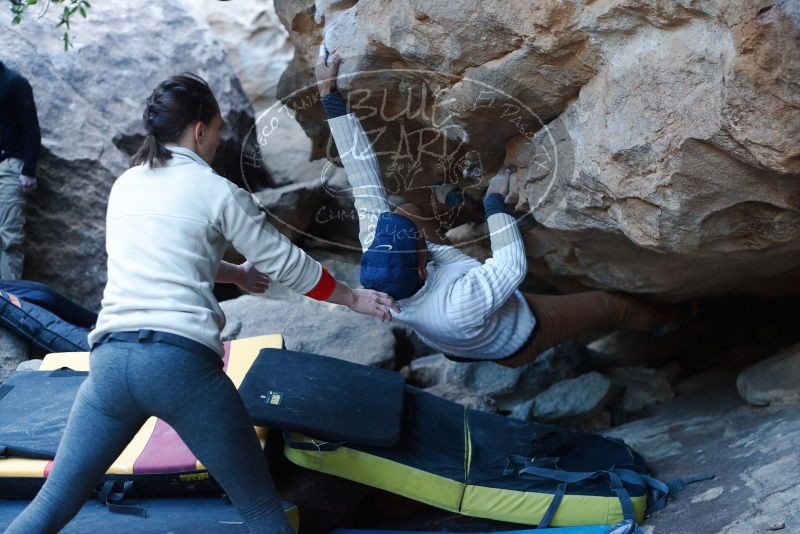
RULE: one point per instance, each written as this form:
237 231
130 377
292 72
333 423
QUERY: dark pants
563 317
128 383
51 300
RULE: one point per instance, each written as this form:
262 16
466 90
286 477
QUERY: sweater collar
186 152
429 282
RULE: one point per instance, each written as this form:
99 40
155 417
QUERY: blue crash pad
209 515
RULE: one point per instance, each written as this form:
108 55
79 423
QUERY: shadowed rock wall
90 102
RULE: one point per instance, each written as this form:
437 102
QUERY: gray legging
130 381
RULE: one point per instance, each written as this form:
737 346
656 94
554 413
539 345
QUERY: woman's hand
250 279
371 302
364 301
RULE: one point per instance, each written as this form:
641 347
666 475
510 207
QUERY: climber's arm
355 151
489 285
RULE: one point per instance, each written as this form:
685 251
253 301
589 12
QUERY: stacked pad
33 411
156 459
326 397
474 463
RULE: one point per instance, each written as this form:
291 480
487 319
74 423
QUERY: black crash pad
324 397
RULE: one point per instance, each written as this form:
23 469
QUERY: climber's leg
563 317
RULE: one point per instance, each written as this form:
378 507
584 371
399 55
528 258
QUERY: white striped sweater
465 308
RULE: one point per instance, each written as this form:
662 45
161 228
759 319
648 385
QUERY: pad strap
313 445
554 504
113 499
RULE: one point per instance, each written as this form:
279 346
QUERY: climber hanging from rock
467 309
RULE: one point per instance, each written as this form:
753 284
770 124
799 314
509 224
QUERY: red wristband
324 287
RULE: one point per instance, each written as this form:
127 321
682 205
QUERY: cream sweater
465 308
166 231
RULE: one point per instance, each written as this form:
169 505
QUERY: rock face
259 50
657 143
573 400
312 326
307 191
774 380
14 352
427 371
643 387
464 397
707 430
285 206
90 103
492 387
30 365
256 43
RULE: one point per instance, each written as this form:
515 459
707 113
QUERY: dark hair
177 102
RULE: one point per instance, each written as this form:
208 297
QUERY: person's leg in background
51 300
563 317
201 403
12 220
101 424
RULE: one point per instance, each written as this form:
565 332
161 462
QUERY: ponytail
152 153
176 103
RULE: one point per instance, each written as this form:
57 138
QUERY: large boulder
90 102
676 166
774 380
573 400
657 143
312 326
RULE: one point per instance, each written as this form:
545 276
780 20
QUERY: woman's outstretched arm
245 226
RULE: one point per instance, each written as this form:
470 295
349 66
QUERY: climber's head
181 111
395 262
